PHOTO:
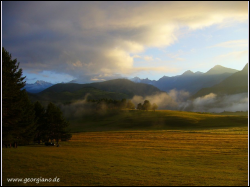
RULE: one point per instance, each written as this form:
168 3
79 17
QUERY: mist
77 108
179 100
173 100
216 104
164 100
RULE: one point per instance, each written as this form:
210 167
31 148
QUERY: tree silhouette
17 111
55 124
40 132
146 105
139 106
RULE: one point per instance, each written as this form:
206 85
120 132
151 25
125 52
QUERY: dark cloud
91 39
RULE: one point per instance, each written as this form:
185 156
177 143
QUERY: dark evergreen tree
17 116
27 125
40 132
56 125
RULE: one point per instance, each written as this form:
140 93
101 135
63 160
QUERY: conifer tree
17 115
40 132
56 125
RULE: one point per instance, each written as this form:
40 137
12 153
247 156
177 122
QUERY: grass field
158 120
191 157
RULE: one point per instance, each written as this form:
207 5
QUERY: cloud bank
99 40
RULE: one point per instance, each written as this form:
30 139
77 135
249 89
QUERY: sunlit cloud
232 44
148 58
234 54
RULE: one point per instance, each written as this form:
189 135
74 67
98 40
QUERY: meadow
139 148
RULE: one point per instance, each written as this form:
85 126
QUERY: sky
97 41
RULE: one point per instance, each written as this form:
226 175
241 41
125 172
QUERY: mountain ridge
234 84
111 89
38 86
190 81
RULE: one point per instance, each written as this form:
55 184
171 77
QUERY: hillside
125 86
114 89
234 84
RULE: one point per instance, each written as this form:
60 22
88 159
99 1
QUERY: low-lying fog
174 100
178 100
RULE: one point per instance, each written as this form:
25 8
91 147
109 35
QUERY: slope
114 89
234 84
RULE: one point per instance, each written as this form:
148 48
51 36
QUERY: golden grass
164 157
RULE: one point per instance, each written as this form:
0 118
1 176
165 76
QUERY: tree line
122 104
23 121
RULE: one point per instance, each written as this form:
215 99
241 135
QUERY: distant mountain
198 73
220 70
234 84
112 89
126 86
188 73
38 86
136 80
145 81
190 81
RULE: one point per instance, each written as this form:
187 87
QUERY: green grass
150 120
135 148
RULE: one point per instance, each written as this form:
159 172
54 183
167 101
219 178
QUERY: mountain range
37 87
190 81
113 89
218 80
234 84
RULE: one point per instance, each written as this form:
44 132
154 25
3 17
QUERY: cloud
179 95
170 100
217 104
232 43
148 58
234 54
88 39
162 100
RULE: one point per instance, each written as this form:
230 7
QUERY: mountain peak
136 79
188 72
198 73
218 69
41 82
245 68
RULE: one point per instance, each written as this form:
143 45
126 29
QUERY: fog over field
174 100
178 100
214 103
